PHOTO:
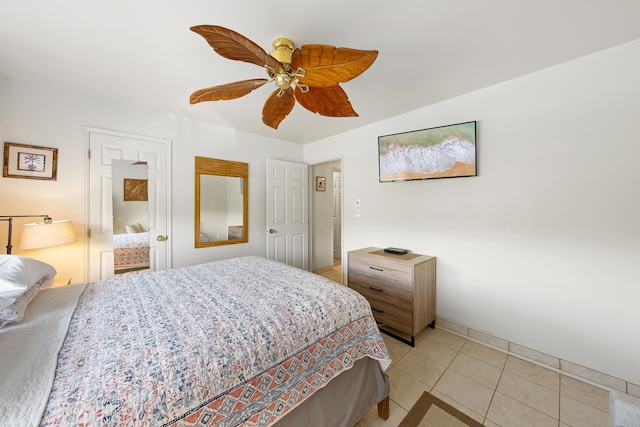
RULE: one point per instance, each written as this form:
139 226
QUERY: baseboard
561 366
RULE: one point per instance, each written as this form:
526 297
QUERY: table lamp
41 235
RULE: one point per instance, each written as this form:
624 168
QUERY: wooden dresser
400 288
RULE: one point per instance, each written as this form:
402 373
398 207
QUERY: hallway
332 273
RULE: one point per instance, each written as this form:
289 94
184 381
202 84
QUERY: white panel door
288 212
104 146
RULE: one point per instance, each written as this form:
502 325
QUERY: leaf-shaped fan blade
227 91
327 65
276 108
235 46
326 101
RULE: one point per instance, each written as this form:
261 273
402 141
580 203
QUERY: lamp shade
44 235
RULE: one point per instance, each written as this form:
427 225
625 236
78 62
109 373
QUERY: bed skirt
350 396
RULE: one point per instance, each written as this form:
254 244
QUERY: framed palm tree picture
29 161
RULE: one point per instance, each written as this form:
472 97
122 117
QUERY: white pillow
130 229
15 311
19 273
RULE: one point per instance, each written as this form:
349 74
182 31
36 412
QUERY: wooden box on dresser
400 288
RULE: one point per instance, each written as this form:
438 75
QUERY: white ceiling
142 51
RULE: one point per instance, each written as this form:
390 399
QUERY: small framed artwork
135 190
320 183
30 162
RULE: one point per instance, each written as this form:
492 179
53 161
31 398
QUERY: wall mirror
130 216
221 209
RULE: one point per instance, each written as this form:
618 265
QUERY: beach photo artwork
440 152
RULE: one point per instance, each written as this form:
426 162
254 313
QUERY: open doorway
326 220
337 214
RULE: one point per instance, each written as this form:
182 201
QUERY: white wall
53 117
543 247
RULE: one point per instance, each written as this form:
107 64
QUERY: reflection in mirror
221 202
130 216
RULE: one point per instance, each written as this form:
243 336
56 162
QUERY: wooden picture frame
320 183
136 190
29 162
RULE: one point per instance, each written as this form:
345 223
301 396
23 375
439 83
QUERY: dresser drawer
388 308
380 272
381 293
393 316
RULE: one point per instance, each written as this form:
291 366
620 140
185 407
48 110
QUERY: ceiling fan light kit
310 74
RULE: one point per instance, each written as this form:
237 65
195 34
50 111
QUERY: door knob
162 238
271 230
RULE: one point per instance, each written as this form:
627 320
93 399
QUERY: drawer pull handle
376 269
376 310
376 289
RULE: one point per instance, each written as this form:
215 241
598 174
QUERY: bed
246 341
130 251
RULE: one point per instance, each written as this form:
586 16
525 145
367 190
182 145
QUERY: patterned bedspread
130 249
235 342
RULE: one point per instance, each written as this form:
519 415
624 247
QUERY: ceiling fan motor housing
282 50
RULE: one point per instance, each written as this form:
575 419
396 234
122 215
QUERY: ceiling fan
310 74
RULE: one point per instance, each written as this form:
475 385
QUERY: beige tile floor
493 387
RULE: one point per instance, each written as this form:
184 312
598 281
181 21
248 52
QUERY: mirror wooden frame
208 166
